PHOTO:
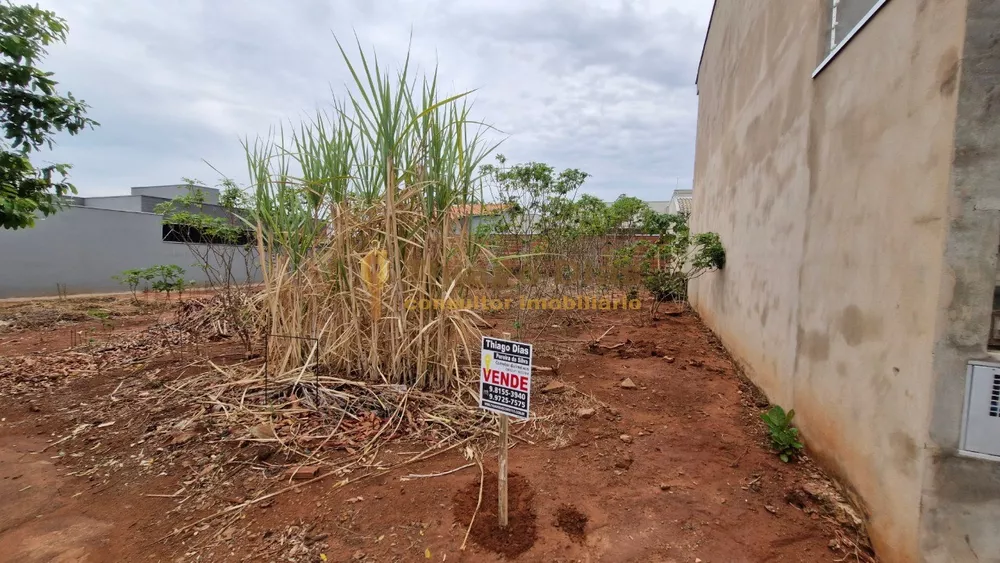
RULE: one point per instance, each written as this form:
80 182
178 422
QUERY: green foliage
187 214
626 214
132 278
537 201
666 285
677 256
221 238
162 278
31 113
632 294
167 278
784 438
98 314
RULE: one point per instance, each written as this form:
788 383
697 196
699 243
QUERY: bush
784 438
164 278
132 278
666 285
676 257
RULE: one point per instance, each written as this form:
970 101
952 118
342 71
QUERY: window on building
847 16
193 235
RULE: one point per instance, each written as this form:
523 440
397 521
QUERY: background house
94 238
680 202
848 154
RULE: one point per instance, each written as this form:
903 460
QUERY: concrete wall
177 190
119 202
831 196
82 248
961 501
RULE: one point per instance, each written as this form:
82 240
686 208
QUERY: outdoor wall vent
981 419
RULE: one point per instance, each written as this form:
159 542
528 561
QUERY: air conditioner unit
981 417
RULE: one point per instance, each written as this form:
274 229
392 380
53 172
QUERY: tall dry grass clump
355 216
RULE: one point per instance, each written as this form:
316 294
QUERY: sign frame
505 391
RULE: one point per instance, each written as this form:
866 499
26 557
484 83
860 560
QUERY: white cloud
601 85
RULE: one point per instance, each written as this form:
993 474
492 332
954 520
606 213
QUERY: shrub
164 278
676 257
132 278
167 278
784 438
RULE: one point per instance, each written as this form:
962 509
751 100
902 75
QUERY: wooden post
502 473
502 466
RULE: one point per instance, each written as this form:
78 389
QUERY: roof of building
684 203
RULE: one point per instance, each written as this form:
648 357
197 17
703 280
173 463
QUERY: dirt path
41 520
675 469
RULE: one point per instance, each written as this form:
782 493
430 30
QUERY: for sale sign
505 380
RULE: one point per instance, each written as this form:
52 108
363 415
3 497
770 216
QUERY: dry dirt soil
102 458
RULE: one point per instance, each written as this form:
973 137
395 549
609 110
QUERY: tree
31 113
677 257
220 242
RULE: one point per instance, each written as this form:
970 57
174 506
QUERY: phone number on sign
505 397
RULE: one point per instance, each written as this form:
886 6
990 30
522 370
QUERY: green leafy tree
537 220
222 240
31 113
676 257
626 214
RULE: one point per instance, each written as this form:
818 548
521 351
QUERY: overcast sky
606 86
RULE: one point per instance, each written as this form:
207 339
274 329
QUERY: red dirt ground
674 470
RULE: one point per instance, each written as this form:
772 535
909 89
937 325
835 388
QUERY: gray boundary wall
82 247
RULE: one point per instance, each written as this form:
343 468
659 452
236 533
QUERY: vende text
504 379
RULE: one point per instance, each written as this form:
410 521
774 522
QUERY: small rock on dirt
664 487
770 509
626 438
179 438
627 383
302 472
555 387
262 431
585 413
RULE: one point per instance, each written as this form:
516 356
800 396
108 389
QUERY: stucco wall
961 501
82 248
830 195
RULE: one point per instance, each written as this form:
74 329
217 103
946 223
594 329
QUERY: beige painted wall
830 195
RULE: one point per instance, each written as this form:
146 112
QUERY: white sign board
505 377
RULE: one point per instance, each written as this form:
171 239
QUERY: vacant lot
647 446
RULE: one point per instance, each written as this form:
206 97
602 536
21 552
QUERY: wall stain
966 481
815 345
855 328
968 155
905 451
948 72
